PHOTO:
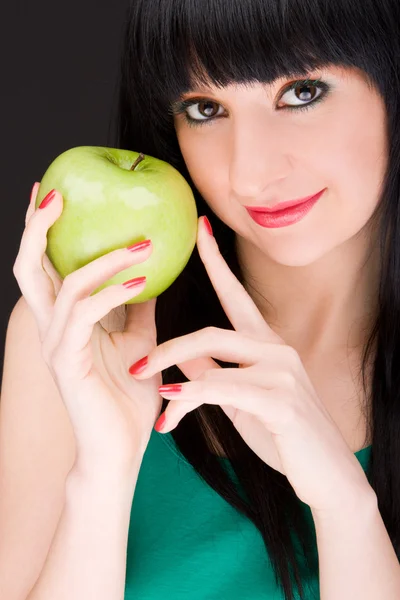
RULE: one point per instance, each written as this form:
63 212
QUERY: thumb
141 319
31 207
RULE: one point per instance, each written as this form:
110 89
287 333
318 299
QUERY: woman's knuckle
289 411
78 310
210 332
69 283
200 387
288 380
207 375
293 356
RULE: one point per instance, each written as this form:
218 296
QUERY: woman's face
251 146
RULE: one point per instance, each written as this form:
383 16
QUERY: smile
288 216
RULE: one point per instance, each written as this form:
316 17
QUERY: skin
306 279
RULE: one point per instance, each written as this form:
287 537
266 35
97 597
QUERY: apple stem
137 161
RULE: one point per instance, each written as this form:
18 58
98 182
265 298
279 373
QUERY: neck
319 308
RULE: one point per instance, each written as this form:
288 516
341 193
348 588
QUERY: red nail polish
160 423
140 246
172 388
47 199
134 282
139 366
208 226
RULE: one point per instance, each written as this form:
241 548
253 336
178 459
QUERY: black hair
168 45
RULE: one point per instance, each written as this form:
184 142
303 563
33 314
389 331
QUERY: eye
207 109
301 93
305 94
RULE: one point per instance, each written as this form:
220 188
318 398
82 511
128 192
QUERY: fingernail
35 185
208 226
171 388
139 246
47 199
139 366
160 423
134 282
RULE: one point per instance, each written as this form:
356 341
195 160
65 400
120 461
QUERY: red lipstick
284 213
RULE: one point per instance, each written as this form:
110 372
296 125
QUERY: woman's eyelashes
299 95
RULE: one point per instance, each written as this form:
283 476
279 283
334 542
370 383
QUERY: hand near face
269 398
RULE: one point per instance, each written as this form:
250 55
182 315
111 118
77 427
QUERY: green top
187 543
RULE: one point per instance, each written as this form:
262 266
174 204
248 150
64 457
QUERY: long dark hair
261 40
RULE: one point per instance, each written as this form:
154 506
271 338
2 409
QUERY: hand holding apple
114 198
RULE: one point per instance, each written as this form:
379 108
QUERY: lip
283 205
283 218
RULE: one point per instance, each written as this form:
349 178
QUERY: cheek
353 158
206 163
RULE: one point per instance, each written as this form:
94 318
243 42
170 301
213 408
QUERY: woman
255 103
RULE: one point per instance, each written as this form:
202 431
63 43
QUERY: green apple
114 198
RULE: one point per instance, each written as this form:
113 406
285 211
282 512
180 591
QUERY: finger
222 277
52 273
223 344
239 307
268 405
46 263
192 369
80 284
263 375
35 284
31 207
140 324
73 352
140 319
267 378
47 266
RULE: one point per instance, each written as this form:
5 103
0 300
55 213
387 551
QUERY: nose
259 158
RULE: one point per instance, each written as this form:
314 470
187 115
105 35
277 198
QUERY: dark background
59 64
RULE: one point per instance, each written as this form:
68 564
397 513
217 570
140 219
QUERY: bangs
183 43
